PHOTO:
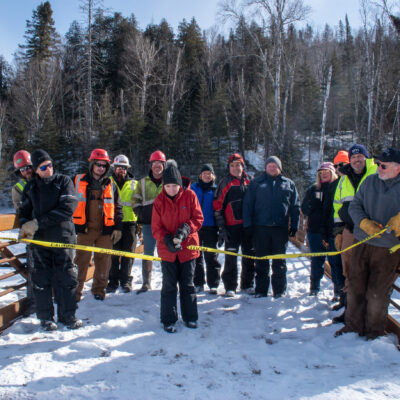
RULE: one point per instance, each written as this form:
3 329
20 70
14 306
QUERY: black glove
168 241
292 232
182 233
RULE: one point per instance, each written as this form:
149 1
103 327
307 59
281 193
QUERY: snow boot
48 325
170 328
147 267
71 323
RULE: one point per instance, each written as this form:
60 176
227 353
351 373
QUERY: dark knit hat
389 155
172 175
207 167
39 156
358 149
275 160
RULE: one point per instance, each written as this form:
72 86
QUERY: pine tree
40 35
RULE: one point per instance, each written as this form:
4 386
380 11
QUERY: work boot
342 301
127 286
71 323
147 266
339 319
111 287
48 325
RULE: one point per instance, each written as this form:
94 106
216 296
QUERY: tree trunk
324 113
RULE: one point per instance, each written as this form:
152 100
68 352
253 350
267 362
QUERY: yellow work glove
370 227
338 241
116 236
394 224
28 229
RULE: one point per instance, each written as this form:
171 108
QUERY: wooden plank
9 275
8 221
12 289
15 263
9 313
392 326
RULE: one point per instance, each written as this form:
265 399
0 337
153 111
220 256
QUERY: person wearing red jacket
228 204
175 221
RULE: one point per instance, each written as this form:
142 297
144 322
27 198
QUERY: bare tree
140 63
35 90
272 13
324 113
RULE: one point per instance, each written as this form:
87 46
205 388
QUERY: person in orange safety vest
98 221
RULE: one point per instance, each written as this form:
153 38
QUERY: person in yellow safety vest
98 221
147 189
121 267
354 175
23 171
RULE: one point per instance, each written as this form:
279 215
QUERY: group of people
107 210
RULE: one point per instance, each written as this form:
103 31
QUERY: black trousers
270 240
54 268
208 237
121 267
176 273
237 238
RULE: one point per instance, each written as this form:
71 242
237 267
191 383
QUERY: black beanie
172 175
39 156
207 167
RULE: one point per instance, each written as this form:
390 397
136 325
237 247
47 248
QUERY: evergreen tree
40 35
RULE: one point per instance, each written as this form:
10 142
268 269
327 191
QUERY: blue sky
14 13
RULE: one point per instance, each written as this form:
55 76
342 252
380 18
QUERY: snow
244 348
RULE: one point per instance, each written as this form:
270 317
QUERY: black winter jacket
271 201
52 201
317 205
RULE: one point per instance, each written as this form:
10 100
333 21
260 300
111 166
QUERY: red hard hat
157 156
22 158
99 154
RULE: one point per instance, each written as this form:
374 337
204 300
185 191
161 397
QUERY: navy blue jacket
271 202
205 195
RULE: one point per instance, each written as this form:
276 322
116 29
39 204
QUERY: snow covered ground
244 348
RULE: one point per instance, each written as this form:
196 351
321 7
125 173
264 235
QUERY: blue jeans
317 263
149 243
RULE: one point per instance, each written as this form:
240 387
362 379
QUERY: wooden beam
9 313
8 221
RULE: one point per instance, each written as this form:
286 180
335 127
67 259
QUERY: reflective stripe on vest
20 185
125 195
345 190
107 198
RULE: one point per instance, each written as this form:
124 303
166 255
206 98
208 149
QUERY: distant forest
198 96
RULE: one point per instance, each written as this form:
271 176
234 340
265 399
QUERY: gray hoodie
377 200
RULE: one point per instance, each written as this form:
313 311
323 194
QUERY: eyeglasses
44 167
98 165
340 165
26 168
121 167
383 166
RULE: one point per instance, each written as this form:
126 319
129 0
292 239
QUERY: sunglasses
44 167
379 164
121 167
26 168
340 165
98 165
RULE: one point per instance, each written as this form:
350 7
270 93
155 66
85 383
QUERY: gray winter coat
377 200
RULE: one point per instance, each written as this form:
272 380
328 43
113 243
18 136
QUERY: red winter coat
168 215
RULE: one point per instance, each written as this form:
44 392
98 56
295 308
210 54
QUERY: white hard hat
122 161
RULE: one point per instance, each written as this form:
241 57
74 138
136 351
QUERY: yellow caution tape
200 248
84 248
290 255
